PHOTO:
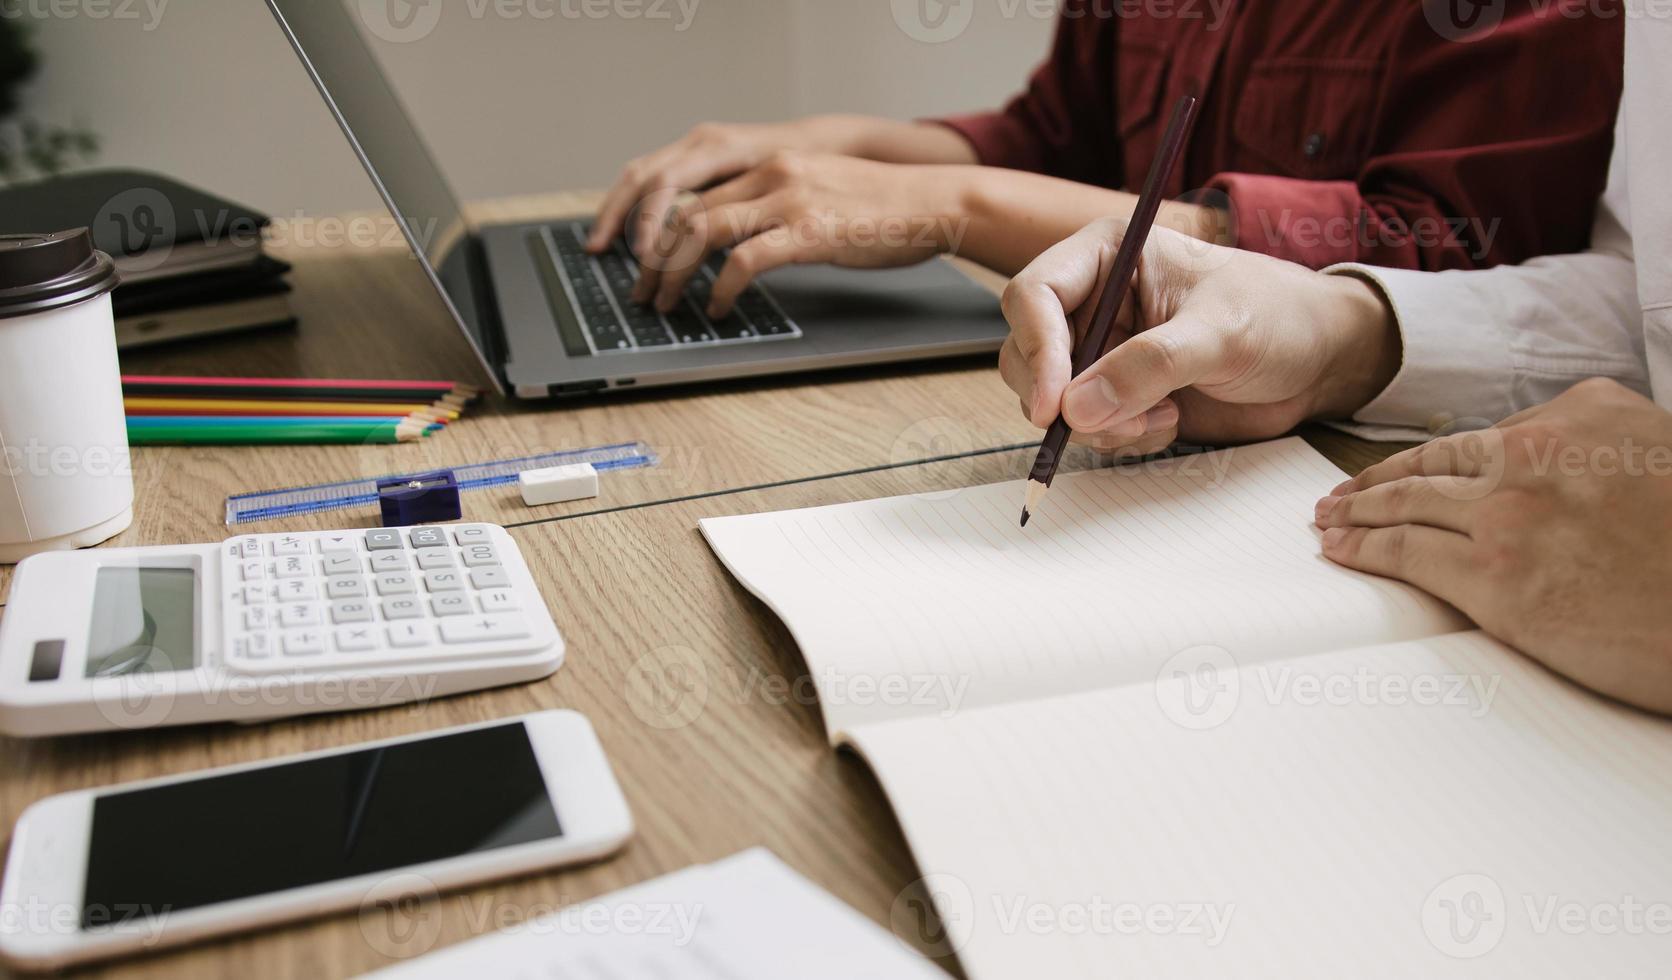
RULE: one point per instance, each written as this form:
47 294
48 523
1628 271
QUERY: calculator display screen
170 848
144 620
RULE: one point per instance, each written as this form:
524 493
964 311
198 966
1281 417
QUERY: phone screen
170 848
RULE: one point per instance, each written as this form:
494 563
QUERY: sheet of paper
1444 808
749 917
936 603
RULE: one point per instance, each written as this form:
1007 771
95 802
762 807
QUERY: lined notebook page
927 604
1516 830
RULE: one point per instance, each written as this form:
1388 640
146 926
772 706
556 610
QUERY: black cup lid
44 272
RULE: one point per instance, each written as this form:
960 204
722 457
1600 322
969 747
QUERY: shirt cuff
1457 372
999 140
1313 222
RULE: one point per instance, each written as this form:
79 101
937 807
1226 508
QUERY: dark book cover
264 277
130 212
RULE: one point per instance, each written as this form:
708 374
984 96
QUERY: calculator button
456 604
351 611
256 618
342 564
479 629
254 595
443 581
289 545
471 535
304 643
255 646
396 583
477 555
405 635
500 600
249 548
296 589
402 609
492 577
253 571
294 566
336 544
431 558
385 540
298 614
389 561
350 587
428 537
357 639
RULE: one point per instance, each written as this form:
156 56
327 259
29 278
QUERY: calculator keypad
345 600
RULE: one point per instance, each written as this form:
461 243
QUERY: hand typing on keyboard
605 319
793 208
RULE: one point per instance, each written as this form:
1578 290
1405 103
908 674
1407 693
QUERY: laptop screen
326 35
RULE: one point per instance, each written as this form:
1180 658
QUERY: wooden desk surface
743 763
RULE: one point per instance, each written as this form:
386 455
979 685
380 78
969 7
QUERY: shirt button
1313 146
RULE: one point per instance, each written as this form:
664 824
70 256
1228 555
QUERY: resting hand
1215 345
1552 530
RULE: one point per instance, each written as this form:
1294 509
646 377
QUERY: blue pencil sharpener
428 498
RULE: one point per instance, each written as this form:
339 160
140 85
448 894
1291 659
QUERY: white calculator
267 626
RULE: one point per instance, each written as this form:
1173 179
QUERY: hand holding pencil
1115 290
1224 346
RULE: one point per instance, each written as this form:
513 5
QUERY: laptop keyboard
591 296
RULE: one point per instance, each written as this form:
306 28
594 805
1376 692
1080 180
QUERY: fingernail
1334 537
1161 418
1342 488
1325 507
1091 404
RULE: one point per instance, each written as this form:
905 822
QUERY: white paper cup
65 476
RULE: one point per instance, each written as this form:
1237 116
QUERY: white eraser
558 485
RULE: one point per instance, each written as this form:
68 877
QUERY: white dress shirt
1481 346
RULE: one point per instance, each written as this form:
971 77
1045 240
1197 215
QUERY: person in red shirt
1331 131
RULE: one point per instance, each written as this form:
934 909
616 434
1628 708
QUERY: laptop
547 319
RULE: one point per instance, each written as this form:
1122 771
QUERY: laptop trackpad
814 293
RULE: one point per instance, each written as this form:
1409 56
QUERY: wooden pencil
232 421
254 435
1096 341
302 389
440 410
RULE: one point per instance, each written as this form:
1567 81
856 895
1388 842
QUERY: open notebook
1156 734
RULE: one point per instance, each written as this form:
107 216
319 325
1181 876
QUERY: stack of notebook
192 263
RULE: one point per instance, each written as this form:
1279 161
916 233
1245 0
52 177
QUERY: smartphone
100 873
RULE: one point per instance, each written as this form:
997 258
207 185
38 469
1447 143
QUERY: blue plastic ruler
246 508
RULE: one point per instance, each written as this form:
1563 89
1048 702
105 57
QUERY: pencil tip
1025 516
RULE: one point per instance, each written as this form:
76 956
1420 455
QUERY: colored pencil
249 435
305 389
1114 291
235 421
440 410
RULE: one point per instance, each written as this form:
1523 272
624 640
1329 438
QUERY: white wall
208 91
